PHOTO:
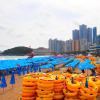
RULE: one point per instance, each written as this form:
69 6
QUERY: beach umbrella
12 80
85 66
81 66
86 83
23 70
36 67
31 69
93 72
3 82
7 71
89 66
18 69
52 66
27 69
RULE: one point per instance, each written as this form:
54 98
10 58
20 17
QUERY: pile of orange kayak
60 86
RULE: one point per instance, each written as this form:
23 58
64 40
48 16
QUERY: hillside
17 51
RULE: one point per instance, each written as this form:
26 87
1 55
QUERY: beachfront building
94 35
86 36
75 34
83 38
83 45
68 44
95 49
56 45
83 32
98 39
89 36
75 45
50 45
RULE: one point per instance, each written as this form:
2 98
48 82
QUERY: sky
34 22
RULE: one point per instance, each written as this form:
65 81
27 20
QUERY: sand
11 93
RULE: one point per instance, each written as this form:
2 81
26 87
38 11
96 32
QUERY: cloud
2 27
33 22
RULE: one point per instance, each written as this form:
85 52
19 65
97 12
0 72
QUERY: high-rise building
83 45
64 46
68 45
50 45
98 40
89 36
56 45
59 47
75 34
82 40
94 35
83 31
75 45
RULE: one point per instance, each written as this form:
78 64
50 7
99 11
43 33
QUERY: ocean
11 57
18 57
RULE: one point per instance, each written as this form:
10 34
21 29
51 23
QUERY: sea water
18 57
11 57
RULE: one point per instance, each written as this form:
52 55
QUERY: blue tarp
10 64
33 64
47 66
61 61
85 65
73 64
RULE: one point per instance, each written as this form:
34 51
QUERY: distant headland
22 50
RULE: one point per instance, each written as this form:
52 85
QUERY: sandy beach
11 93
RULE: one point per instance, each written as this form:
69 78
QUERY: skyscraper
83 31
98 42
94 35
68 45
51 45
60 46
75 34
83 45
89 35
56 45
75 45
